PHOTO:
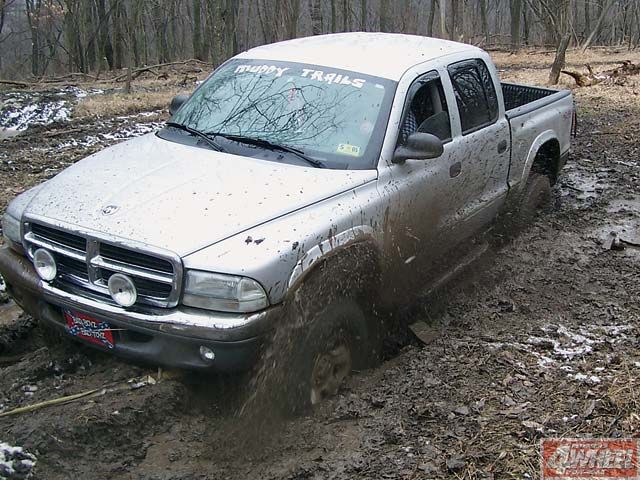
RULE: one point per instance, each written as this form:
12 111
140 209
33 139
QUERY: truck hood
182 198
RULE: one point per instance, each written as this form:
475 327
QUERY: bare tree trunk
345 16
334 25
516 14
587 16
106 48
292 15
559 61
316 17
363 15
432 16
454 19
443 18
197 30
89 14
33 18
596 29
384 16
484 21
228 23
3 12
525 23
118 35
135 33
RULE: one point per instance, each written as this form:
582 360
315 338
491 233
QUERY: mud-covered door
420 200
483 146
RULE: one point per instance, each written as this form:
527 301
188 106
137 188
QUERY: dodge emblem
110 209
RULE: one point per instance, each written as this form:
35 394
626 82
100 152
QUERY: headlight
45 264
225 293
11 231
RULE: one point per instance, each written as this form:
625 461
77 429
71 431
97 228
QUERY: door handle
502 146
455 169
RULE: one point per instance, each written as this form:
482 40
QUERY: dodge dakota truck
319 178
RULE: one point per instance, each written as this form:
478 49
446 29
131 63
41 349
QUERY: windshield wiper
212 143
266 144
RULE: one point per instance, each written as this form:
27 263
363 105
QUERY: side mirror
419 146
177 102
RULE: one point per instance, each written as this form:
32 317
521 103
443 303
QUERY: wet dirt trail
541 340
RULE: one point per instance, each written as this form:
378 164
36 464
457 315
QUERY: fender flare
360 234
543 138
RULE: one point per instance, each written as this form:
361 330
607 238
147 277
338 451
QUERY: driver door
424 194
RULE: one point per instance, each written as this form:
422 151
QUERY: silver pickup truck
318 179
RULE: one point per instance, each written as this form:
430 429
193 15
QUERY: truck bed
516 96
536 115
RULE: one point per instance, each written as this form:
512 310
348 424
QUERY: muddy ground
540 340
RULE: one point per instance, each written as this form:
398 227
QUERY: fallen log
138 71
626 69
16 83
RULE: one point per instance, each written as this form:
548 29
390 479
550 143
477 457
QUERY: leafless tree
43 37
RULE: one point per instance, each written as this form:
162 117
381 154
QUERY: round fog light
122 290
207 354
45 264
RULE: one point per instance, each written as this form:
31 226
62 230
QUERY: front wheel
334 341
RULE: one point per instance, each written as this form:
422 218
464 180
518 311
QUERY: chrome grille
86 261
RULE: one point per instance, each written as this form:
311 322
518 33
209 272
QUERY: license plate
89 329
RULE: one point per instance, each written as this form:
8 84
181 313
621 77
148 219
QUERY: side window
426 109
475 94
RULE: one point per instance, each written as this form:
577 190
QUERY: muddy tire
522 210
335 342
536 196
329 324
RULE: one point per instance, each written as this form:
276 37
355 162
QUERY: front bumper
163 336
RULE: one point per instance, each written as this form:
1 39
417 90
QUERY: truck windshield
335 117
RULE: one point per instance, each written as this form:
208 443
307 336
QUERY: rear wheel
537 195
521 211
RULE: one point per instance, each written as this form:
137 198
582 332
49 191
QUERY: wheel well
547 160
354 269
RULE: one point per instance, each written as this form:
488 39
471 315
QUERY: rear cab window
475 94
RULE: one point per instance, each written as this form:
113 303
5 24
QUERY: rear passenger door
484 144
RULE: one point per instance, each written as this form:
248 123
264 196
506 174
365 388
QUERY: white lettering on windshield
332 78
261 69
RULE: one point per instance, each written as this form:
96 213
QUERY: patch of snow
19 111
79 92
562 347
581 377
15 463
135 130
544 361
567 344
141 114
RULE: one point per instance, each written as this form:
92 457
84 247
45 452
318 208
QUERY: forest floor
540 341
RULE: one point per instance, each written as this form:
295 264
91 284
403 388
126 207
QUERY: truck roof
386 55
